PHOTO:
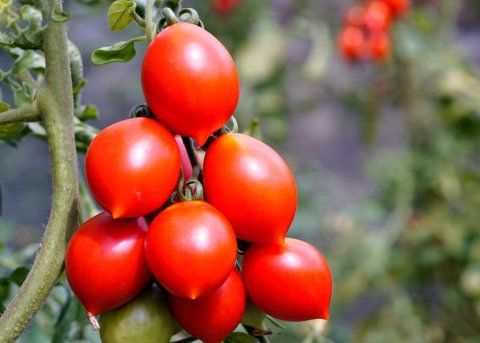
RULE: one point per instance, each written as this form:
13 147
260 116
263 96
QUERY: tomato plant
290 281
214 316
379 46
132 167
145 319
190 248
190 81
251 185
105 262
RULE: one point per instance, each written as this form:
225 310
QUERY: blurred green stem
55 103
149 24
27 113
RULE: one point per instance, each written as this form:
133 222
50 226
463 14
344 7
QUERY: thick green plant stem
55 104
27 113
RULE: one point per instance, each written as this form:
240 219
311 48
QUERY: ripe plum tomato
105 262
132 167
214 316
379 45
378 15
355 17
251 185
190 248
190 81
225 7
145 319
289 282
351 43
398 7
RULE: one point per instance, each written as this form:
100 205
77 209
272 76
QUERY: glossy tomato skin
190 81
190 248
105 262
251 185
379 45
132 167
214 316
225 7
289 282
351 43
398 7
378 15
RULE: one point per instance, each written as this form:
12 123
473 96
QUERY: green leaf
4 106
26 60
90 112
32 15
240 337
60 16
118 52
119 14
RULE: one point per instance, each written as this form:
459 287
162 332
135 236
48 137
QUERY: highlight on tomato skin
194 89
132 167
379 45
351 43
105 262
214 316
252 185
191 248
290 282
378 15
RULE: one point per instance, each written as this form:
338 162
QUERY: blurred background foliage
386 158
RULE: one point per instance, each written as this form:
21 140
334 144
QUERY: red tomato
190 81
351 43
190 248
105 262
289 282
355 16
379 45
132 167
225 6
398 7
214 316
378 15
251 185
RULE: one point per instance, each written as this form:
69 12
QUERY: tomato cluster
189 246
366 31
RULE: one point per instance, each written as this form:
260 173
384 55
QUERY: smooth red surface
251 184
190 248
214 316
355 16
351 43
225 6
378 15
289 282
190 81
379 45
132 167
105 262
398 7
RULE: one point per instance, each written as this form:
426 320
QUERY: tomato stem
149 24
93 321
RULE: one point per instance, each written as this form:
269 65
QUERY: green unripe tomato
145 319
